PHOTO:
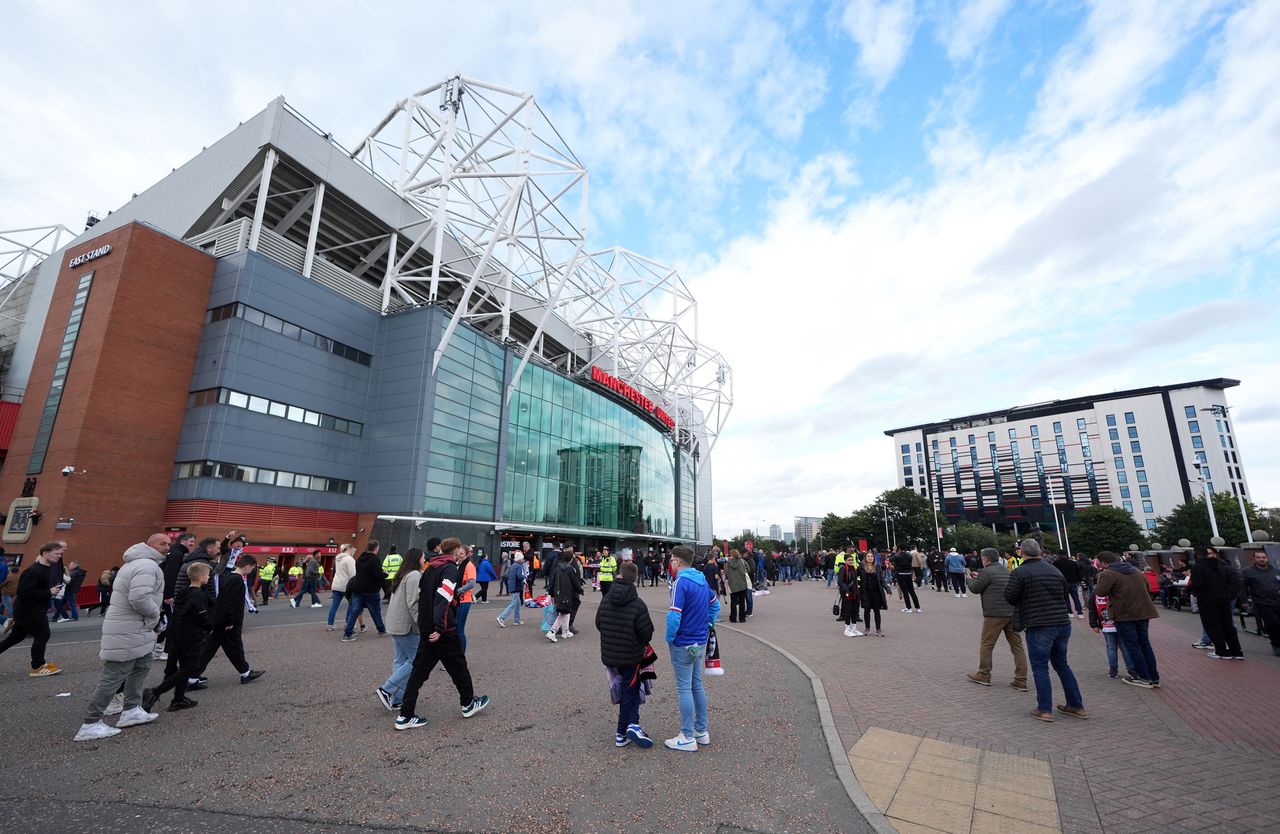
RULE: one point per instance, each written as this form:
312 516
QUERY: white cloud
1024 272
970 26
883 30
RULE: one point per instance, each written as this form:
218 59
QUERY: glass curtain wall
578 458
462 473
688 496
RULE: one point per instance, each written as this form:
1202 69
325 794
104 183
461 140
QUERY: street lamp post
1221 411
1065 540
1208 501
885 507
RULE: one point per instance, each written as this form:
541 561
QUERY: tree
1104 527
966 536
1190 521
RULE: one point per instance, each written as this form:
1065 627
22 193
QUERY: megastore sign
619 387
92 254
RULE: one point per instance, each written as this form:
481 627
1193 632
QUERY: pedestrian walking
625 631
1070 570
228 620
739 582
484 575
1129 604
402 625
364 591
311 573
1216 584
437 622
36 587
566 587
189 628
128 638
997 619
955 572
905 575
1101 622
1036 590
267 579
514 579
695 607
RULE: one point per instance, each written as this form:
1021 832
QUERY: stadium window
1128 418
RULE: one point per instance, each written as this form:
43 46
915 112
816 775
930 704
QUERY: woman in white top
402 625
344 567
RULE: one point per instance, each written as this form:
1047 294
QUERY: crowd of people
182 601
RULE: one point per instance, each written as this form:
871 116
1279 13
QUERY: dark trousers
957 582
482 595
33 624
448 652
265 587
308 587
906 584
1142 660
573 613
866 616
1073 594
1215 616
737 606
939 580
604 586
232 646
187 666
919 575
1270 616
629 698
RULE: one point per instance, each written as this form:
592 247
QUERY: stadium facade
315 346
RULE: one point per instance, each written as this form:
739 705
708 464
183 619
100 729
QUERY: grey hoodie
128 630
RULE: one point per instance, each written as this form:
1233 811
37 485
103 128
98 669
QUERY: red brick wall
125 396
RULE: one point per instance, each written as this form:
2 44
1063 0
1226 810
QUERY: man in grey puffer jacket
128 636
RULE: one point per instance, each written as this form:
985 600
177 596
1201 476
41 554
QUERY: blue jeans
830 575
513 606
308 587
629 698
359 602
406 647
1113 644
464 608
686 665
335 602
1046 646
1138 653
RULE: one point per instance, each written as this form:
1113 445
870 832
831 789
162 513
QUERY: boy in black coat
228 620
625 631
189 628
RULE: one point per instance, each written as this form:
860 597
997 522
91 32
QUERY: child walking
190 627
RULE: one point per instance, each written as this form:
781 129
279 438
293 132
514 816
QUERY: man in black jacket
364 590
1070 570
1037 592
438 627
625 631
906 577
1215 584
228 620
1262 583
36 587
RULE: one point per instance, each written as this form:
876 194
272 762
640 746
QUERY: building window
919 447
1147 507
1141 475
1116 449
1013 434
935 443
1111 419
257 475
1128 506
1035 443
1128 418
1202 457
1194 426
297 414
991 437
1151 524
1035 431
1197 442
52 400
1135 446
906 471
1190 410
1144 491
906 448
1122 477
1124 492
1119 462
284 328
1133 432
1057 427
1114 434
971 440
1223 439
1080 424
1137 462
953 443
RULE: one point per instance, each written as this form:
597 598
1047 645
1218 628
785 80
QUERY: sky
891 211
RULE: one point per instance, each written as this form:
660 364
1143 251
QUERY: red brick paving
1200 754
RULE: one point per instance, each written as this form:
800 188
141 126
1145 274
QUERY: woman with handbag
847 581
871 593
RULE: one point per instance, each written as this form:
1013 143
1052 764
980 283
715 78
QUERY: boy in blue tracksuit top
695 607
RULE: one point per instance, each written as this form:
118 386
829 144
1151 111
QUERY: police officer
295 577
266 578
390 567
608 567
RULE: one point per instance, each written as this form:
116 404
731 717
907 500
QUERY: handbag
835 608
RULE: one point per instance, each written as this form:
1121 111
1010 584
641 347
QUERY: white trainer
136 716
116 706
551 635
96 731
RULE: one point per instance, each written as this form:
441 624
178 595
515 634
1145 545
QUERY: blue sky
891 211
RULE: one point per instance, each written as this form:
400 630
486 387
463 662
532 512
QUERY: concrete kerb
839 757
